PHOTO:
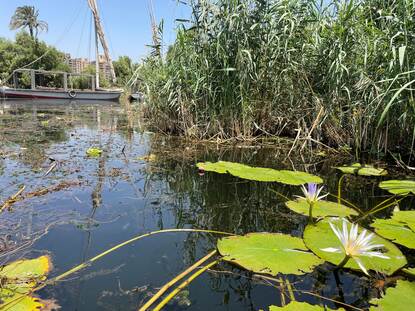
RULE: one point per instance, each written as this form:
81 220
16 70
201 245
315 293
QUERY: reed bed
338 72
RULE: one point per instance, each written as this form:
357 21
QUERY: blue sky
126 24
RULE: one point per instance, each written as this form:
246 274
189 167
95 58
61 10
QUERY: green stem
310 212
343 263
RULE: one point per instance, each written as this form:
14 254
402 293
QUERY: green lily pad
94 152
269 253
363 170
22 303
19 279
300 306
410 271
400 187
320 208
400 228
260 173
401 297
313 239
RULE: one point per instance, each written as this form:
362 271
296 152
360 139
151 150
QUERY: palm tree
27 17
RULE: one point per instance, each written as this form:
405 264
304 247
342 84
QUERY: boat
67 92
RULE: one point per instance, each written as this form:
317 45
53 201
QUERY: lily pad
19 279
400 228
300 306
410 271
260 173
320 208
363 170
269 253
401 297
23 303
313 239
400 187
94 152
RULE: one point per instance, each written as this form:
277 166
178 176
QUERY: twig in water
12 199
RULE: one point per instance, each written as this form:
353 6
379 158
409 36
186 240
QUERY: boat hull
60 94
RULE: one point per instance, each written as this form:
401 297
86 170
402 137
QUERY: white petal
362 267
331 250
375 254
361 237
336 232
353 232
345 232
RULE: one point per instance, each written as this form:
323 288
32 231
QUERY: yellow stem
175 280
89 261
183 285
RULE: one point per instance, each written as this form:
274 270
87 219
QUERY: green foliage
320 208
24 50
362 170
260 173
401 297
400 187
270 253
251 67
400 228
313 239
124 69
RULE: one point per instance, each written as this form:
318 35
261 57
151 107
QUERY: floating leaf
400 187
300 306
410 271
270 253
259 173
94 152
19 279
22 303
363 170
313 239
27 269
400 228
320 208
401 297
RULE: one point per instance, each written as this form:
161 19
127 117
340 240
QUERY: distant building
78 65
104 67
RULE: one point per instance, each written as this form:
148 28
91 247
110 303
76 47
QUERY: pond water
145 182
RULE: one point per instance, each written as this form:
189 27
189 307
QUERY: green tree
28 17
23 51
124 69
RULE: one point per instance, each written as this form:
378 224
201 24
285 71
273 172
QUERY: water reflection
117 196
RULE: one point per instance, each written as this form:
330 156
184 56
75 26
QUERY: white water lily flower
312 193
355 245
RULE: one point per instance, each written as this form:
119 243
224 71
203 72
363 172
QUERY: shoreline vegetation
339 72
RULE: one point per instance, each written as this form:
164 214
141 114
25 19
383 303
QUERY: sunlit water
96 203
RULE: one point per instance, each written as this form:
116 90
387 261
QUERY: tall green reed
252 67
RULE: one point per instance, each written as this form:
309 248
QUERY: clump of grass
338 71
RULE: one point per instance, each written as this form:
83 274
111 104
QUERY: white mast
96 60
99 34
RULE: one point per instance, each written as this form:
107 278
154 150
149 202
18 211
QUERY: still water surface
93 204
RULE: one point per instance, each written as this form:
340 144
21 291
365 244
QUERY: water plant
312 196
337 72
354 245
